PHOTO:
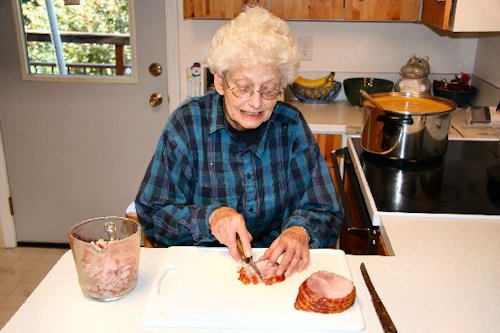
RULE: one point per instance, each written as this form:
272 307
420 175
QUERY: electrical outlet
306 47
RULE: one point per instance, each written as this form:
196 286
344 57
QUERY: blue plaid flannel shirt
281 181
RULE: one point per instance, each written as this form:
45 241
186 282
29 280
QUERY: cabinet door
436 13
307 9
382 10
218 9
327 143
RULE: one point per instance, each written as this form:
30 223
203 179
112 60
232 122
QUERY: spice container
106 253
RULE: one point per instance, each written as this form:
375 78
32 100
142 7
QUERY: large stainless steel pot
413 127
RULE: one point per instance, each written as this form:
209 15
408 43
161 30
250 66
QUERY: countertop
444 277
339 117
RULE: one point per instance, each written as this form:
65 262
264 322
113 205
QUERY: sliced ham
247 274
325 292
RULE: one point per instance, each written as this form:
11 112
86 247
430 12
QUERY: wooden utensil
371 99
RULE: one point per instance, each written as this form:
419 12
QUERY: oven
358 235
464 183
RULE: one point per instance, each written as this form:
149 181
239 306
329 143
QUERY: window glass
86 38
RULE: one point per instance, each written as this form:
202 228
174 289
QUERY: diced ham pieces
247 274
325 292
110 274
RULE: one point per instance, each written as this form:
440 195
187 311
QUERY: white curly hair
255 37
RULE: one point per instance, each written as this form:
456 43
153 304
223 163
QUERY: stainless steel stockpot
410 128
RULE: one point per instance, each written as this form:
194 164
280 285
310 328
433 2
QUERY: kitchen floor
21 270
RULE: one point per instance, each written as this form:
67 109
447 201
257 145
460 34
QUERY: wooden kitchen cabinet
368 10
217 9
436 13
382 10
307 9
327 143
462 15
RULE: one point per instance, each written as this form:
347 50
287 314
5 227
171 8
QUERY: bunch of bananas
315 88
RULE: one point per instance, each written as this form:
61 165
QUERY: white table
444 277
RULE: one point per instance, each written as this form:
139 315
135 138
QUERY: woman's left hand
293 244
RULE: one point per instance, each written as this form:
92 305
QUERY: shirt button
251 210
249 175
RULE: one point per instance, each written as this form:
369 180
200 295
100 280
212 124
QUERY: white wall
487 68
350 49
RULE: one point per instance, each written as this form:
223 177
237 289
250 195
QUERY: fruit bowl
316 91
368 84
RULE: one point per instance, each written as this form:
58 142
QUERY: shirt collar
218 122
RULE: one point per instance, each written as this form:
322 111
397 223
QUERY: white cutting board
198 287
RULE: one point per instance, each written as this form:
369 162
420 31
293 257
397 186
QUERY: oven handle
343 195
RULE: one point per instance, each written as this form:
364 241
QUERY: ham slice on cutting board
325 292
247 274
199 288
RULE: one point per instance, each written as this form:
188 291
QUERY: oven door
358 235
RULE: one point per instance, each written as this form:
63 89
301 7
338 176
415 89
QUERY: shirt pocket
216 194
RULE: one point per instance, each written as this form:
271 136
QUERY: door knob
155 99
155 69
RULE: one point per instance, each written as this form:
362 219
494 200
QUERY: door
307 10
436 13
218 9
76 149
382 10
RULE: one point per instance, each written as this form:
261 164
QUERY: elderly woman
238 161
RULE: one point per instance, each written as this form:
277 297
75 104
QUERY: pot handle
395 120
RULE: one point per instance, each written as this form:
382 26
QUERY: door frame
173 11
6 218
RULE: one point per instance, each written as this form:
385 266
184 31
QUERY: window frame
23 55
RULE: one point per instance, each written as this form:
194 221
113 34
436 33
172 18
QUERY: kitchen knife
248 260
383 315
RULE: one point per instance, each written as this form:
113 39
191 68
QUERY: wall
487 68
351 49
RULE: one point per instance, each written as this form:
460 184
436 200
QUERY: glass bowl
106 253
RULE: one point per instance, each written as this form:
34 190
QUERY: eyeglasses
240 92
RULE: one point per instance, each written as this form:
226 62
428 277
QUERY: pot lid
414 104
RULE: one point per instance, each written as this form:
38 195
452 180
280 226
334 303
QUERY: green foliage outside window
93 16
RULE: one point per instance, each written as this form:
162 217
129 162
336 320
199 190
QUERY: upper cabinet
218 9
365 10
462 15
382 10
453 15
307 9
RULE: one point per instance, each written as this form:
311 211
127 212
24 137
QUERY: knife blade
248 260
383 315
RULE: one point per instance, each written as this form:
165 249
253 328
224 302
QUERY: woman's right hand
225 223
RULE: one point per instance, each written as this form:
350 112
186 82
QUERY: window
76 38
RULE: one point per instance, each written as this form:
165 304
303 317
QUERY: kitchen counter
444 277
339 117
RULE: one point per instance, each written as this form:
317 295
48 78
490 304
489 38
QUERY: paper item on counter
478 131
483 115
495 116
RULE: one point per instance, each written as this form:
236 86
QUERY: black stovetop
465 181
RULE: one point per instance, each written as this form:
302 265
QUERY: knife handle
384 317
239 245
